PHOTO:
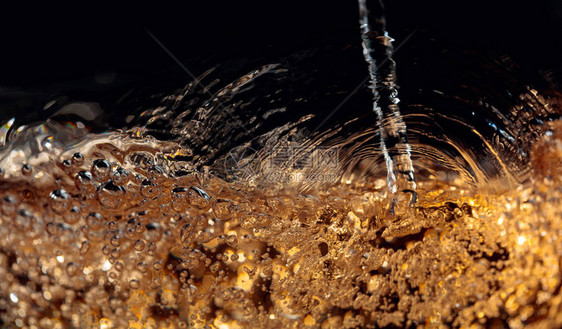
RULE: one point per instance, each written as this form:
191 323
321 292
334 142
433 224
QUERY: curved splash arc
377 48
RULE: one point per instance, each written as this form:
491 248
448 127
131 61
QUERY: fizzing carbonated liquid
128 229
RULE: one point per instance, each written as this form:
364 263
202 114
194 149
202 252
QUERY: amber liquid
114 234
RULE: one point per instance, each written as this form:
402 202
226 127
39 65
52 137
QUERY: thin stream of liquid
377 49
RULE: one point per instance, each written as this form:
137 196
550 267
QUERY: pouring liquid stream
378 50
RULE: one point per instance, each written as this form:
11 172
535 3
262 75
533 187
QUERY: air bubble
94 220
215 267
130 231
73 216
59 201
84 247
186 233
138 179
95 235
199 198
116 241
232 240
222 210
77 159
71 269
134 284
153 232
101 169
148 189
113 226
53 228
111 195
140 228
155 173
66 165
179 199
24 219
120 176
26 170
36 229
84 182
9 205
142 267
139 245
157 265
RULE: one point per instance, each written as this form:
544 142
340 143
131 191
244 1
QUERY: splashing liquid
377 49
170 223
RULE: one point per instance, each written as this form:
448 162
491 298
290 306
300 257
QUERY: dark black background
58 49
